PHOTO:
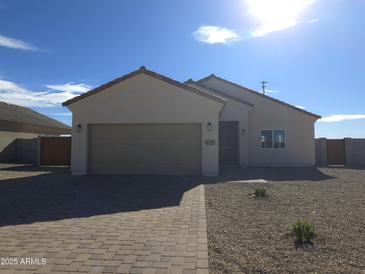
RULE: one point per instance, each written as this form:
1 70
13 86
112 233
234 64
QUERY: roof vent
142 68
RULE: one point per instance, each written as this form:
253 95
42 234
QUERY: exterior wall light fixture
78 128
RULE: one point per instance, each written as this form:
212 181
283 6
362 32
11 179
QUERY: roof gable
212 76
215 91
151 74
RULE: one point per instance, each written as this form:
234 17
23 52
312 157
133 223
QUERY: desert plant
260 192
303 231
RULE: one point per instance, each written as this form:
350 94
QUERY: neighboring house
18 128
146 123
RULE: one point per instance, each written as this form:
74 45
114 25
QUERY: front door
228 142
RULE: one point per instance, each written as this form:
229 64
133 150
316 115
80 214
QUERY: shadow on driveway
54 194
47 194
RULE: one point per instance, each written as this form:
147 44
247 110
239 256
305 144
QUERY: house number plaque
209 142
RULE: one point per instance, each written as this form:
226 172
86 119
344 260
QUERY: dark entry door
335 152
228 142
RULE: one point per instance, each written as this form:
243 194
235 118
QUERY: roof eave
191 82
147 72
102 87
259 94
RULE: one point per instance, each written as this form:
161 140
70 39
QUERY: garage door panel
145 149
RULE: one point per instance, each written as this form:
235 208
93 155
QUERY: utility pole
263 86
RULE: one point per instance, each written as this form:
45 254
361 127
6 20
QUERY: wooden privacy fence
55 151
347 151
336 152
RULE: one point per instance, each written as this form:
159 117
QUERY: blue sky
310 51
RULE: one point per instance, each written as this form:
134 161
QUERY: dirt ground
252 235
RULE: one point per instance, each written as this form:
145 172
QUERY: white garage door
145 149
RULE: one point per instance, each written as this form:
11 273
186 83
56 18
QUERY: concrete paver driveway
52 222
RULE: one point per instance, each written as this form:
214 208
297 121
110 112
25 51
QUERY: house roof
215 91
14 114
257 93
143 70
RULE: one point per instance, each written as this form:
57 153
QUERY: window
279 138
273 138
266 138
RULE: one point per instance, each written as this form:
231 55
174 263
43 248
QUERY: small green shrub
303 231
260 192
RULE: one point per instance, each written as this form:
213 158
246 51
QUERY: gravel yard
252 235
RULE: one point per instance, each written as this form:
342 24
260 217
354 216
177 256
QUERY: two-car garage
145 148
145 123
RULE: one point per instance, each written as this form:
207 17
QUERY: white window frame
272 136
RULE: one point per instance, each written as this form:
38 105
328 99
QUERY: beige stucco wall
266 114
145 99
234 110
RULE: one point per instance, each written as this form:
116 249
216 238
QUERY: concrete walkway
171 239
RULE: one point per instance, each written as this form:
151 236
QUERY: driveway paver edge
202 252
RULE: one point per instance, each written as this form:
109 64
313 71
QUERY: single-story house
147 123
18 128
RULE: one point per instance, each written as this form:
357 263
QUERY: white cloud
276 15
215 35
342 117
70 87
301 107
14 93
313 21
271 91
16 44
267 29
59 114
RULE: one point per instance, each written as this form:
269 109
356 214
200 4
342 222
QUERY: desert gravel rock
252 235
